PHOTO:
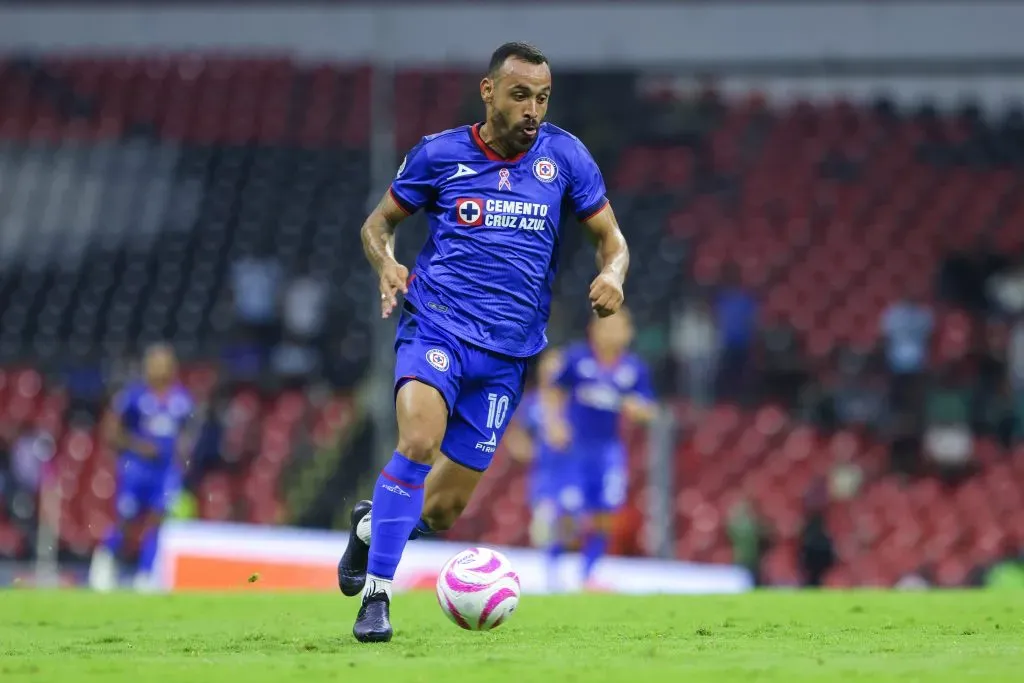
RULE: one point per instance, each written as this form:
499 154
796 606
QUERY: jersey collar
489 152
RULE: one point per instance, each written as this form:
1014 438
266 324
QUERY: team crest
545 170
438 359
469 211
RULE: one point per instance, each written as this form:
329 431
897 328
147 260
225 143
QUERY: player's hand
606 294
637 409
393 279
145 448
559 434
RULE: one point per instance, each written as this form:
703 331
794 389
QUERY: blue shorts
145 488
482 388
601 476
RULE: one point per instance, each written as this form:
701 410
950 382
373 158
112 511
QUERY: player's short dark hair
517 50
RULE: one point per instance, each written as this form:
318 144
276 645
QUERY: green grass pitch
769 636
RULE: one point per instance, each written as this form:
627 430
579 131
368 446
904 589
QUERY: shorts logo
545 170
469 211
438 359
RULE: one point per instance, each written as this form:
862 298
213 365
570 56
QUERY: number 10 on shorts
497 411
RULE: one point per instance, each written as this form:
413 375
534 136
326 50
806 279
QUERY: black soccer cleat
352 565
373 623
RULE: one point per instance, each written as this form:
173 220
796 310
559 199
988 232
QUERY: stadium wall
206 556
635 33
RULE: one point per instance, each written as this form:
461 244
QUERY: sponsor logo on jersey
545 170
504 213
469 211
501 213
438 359
461 171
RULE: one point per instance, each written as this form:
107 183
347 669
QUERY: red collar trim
488 150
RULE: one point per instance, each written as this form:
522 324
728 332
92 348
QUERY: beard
514 135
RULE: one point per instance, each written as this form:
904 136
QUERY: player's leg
479 418
447 490
568 502
604 494
398 498
161 495
104 567
426 363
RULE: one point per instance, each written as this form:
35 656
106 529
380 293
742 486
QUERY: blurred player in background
146 430
553 498
476 306
599 381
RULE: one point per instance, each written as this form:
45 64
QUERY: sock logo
395 488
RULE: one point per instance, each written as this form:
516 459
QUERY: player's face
517 101
160 367
613 334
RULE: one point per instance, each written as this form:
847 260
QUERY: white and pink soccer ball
478 589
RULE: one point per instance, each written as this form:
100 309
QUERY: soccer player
476 306
146 431
554 496
599 381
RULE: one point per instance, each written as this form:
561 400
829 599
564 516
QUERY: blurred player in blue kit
534 439
599 382
476 306
146 429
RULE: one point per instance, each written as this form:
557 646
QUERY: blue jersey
159 419
486 271
532 411
551 470
596 393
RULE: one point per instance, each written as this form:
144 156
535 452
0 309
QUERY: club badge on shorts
545 170
438 359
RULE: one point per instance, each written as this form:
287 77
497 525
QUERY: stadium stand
129 187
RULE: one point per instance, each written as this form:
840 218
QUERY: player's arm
556 422
639 408
413 188
554 398
378 236
640 405
518 442
612 261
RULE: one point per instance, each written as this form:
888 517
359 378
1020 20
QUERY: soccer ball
478 589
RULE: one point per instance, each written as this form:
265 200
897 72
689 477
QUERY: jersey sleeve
566 377
587 192
126 407
414 185
643 385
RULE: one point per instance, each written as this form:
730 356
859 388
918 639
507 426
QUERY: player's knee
419 444
442 509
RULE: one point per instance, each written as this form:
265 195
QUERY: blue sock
147 549
421 529
594 547
397 505
554 552
114 540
